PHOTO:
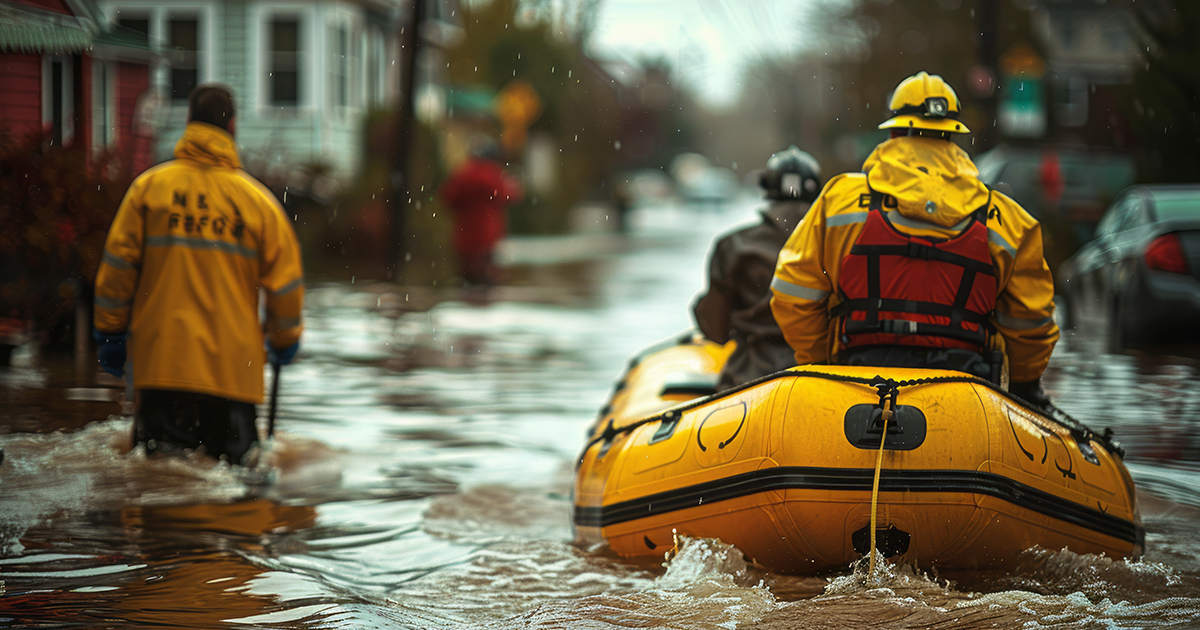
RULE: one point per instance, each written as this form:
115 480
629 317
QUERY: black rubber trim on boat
859 480
1081 432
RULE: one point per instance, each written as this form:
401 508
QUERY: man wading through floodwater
193 242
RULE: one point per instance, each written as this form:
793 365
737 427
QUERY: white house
304 72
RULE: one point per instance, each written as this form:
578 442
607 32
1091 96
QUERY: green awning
28 30
469 100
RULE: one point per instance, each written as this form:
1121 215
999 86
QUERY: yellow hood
209 145
933 180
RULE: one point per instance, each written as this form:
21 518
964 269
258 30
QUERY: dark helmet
791 174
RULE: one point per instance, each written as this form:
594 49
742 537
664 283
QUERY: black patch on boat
690 385
890 542
666 428
863 426
649 543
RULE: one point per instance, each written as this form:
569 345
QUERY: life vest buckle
898 327
919 251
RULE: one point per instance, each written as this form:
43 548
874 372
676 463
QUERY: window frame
159 17
348 69
262 15
64 131
270 58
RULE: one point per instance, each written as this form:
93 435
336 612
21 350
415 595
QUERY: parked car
1140 277
1087 181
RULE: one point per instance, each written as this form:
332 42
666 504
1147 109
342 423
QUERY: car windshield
1175 206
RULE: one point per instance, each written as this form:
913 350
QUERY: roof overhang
29 30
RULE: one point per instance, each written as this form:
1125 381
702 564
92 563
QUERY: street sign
1022 108
517 106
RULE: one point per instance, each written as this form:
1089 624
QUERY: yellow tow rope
887 419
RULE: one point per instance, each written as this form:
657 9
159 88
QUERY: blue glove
282 356
110 350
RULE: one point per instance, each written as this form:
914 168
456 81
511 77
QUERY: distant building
1090 48
305 73
69 74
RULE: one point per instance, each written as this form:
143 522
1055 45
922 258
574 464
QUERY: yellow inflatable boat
784 468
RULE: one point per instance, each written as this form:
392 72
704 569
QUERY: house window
61 91
374 82
284 72
339 64
140 25
1072 101
57 119
184 46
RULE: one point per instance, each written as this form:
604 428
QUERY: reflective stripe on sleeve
846 219
116 262
170 240
1021 323
795 290
284 324
112 304
995 238
289 287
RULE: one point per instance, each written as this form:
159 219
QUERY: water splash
1096 577
889 580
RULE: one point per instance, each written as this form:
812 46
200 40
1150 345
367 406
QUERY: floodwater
422 468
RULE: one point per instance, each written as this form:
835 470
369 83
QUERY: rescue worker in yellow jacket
193 243
915 263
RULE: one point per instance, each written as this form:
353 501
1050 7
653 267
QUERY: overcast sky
708 42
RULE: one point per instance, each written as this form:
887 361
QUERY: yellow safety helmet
924 101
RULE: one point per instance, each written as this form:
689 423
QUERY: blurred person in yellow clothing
193 243
915 263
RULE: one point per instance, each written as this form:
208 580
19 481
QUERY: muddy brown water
422 473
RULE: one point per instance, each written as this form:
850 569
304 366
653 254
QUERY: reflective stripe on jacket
936 187
193 242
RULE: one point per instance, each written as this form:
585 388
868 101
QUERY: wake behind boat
783 468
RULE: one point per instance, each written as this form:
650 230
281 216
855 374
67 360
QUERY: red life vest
904 290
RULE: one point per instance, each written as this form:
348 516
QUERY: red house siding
21 107
132 81
50 5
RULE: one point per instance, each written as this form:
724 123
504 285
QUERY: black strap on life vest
874 303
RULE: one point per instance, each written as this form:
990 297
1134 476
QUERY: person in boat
193 244
737 304
914 262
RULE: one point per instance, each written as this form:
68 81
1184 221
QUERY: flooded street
423 464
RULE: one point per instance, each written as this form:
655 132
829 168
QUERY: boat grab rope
888 391
1080 431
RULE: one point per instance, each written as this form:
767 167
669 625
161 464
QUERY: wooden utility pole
410 43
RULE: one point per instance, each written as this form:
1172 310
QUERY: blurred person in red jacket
479 193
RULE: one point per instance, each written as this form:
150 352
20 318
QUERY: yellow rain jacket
192 243
916 171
